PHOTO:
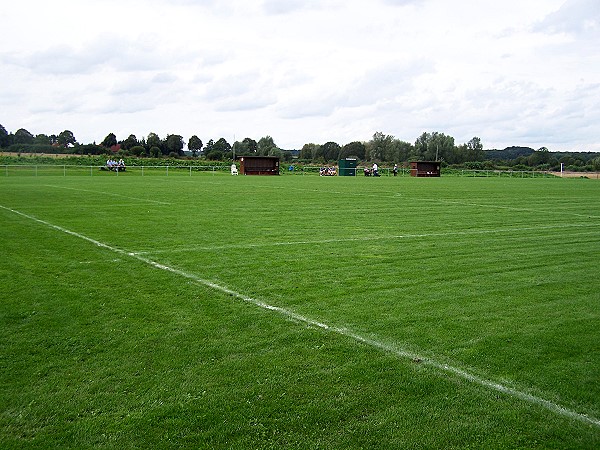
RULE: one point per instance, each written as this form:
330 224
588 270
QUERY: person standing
375 170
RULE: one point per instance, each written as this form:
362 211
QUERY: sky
515 72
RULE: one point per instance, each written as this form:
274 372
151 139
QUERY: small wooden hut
259 165
425 169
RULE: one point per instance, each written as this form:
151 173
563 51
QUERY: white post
561 169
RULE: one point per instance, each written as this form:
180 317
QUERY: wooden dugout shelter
425 169
259 165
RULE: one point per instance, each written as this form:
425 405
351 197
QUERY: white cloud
575 17
302 71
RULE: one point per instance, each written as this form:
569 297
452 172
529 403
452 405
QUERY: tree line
429 146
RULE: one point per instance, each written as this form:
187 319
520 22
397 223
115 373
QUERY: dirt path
590 175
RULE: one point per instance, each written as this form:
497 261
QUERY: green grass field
211 311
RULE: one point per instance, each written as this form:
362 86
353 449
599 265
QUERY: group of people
328 171
117 166
373 172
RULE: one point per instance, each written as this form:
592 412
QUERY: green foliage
246 147
129 143
353 149
382 148
109 141
174 145
155 152
22 136
266 146
4 139
195 145
331 151
66 139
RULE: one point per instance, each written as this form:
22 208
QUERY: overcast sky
512 72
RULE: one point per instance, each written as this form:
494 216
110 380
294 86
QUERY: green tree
109 141
251 145
539 157
174 144
379 146
354 149
400 150
222 145
155 151
4 140
421 146
474 150
195 145
129 143
42 139
440 147
138 150
246 147
209 146
22 136
266 146
66 139
331 151
595 163
153 141
434 146
309 152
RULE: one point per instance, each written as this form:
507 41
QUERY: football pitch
211 311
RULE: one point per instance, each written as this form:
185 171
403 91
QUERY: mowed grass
211 311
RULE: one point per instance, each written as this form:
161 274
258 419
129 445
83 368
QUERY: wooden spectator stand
425 169
259 165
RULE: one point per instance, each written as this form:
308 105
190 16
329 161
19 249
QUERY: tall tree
109 141
251 145
42 139
380 146
4 140
195 145
222 146
353 149
266 146
22 136
434 146
421 146
174 144
309 151
66 139
331 151
130 142
153 141
474 150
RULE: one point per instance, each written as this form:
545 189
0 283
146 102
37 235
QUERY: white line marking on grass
397 195
371 238
111 194
510 208
387 348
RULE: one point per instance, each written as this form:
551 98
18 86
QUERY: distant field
213 311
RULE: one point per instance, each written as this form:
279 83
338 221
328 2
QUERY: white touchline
551 406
